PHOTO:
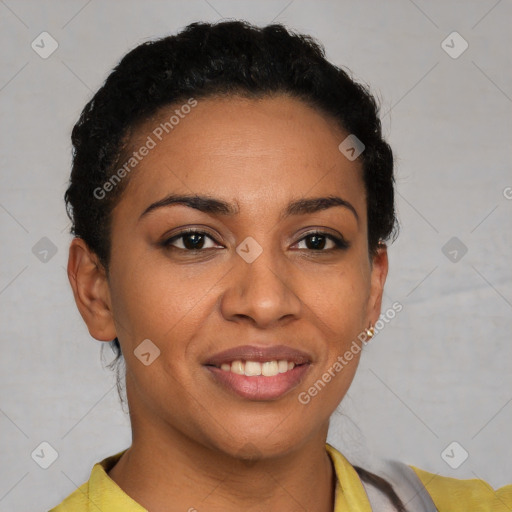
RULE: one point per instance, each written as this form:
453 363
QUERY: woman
231 198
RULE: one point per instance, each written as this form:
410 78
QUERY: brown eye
189 241
318 241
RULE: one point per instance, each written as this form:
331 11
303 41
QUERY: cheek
339 298
154 299
340 303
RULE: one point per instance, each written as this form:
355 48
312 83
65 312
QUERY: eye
318 241
193 240
189 240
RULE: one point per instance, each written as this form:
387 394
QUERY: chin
252 448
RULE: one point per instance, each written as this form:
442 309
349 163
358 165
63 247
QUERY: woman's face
258 287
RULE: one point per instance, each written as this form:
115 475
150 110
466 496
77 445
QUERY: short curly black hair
204 60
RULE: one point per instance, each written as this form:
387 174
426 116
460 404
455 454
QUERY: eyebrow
215 206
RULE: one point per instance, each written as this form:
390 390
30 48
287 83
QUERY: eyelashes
193 241
188 234
339 242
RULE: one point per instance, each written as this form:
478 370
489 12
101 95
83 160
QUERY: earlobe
378 279
91 290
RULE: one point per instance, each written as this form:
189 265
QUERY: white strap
407 486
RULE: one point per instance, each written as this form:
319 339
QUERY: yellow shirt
448 494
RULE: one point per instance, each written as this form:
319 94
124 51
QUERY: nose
261 292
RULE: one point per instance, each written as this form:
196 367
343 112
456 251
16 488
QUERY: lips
259 354
234 370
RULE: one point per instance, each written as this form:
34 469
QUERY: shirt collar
105 494
350 494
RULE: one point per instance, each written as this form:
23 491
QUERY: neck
164 470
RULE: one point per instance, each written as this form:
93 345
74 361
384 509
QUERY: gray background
439 372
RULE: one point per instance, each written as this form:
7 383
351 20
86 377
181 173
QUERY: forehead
256 151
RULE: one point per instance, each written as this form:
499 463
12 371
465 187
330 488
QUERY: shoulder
452 495
100 492
422 491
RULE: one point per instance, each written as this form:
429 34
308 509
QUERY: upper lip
260 354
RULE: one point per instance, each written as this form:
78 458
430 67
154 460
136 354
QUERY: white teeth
269 369
255 368
237 367
252 368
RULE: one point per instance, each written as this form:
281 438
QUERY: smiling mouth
257 368
259 381
259 372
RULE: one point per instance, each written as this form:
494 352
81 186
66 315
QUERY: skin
194 443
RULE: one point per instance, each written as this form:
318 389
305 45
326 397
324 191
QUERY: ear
379 273
89 282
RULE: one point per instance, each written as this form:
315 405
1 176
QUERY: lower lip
259 387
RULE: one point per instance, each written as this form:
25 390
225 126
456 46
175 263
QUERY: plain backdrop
438 373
